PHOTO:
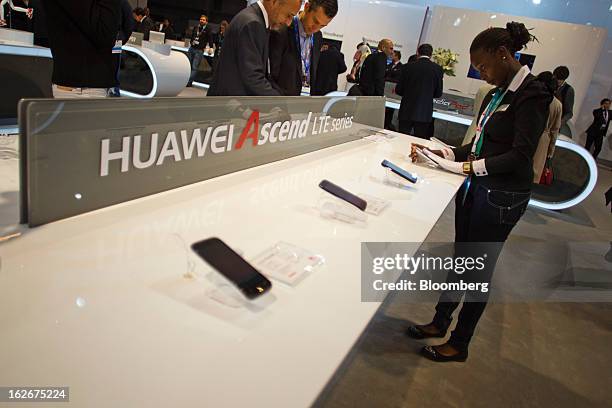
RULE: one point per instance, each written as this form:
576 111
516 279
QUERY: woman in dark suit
599 128
499 169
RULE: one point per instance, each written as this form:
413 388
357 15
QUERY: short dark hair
548 80
329 6
425 50
561 73
514 37
398 54
139 11
604 100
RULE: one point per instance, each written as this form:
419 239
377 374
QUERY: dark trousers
389 112
423 130
482 224
595 138
195 58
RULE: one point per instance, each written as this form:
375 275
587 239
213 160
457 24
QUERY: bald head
281 12
386 45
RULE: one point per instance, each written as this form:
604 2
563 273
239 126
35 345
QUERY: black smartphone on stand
231 265
342 194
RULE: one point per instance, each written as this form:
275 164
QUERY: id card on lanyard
496 100
305 52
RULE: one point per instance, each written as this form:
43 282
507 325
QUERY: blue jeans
195 58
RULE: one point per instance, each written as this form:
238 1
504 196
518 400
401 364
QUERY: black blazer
145 27
243 65
286 62
393 72
598 122
82 34
420 82
511 137
372 76
205 38
331 64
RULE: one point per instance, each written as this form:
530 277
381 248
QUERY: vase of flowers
446 59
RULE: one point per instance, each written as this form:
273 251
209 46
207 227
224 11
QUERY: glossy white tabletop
100 303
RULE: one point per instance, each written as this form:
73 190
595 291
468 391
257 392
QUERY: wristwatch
467 167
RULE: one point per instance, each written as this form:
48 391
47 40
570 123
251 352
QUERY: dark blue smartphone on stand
399 171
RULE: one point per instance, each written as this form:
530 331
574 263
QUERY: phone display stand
218 288
375 205
287 263
392 179
331 207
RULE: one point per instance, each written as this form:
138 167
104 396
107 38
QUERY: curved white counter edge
8 48
170 72
566 143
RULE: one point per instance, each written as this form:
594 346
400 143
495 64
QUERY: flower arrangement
446 59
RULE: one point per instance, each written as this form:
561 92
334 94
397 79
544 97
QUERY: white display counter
100 302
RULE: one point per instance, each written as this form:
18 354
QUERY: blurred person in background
372 78
82 34
331 64
420 82
546 146
244 65
295 50
599 128
565 93
201 38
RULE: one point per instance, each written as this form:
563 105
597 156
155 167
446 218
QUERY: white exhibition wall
370 20
559 44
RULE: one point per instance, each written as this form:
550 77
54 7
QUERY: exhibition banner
82 155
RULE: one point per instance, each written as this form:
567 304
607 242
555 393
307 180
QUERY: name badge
117 47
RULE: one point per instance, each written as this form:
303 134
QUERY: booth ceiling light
536 2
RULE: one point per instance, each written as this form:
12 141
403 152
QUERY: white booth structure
152 70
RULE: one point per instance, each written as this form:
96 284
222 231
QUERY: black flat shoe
431 353
416 332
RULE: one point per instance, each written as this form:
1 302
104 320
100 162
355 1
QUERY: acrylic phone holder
331 207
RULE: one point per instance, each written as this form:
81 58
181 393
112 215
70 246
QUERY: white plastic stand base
392 179
331 207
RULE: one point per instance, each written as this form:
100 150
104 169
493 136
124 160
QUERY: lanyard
200 31
496 100
304 51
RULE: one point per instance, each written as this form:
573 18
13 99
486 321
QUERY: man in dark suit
599 128
372 79
420 82
295 51
144 24
331 64
82 34
394 69
244 65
